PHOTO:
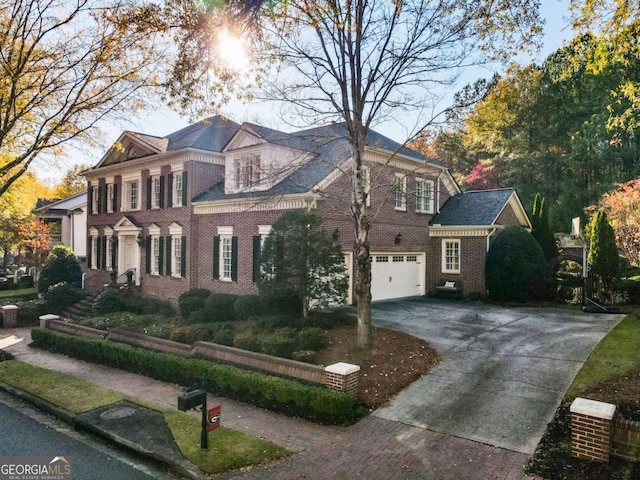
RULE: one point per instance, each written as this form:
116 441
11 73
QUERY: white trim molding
462 231
286 202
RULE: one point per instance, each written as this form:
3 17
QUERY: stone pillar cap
342 368
593 408
9 307
49 316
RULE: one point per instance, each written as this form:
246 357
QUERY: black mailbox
191 399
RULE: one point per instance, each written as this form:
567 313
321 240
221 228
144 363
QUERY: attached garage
397 275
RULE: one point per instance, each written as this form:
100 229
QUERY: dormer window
247 171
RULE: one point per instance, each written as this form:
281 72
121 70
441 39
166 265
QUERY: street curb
179 466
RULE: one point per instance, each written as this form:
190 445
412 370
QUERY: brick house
191 209
461 232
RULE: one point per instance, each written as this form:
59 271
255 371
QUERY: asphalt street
26 431
504 370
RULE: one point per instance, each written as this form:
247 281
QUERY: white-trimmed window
94 248
95 200
131 195
155 192
226 254
450 256
175 255
424 196
248 172
177 189
110 197
155 255
401 192
176 244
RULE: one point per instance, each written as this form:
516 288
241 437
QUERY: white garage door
395 275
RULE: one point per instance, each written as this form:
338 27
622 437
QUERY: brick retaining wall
211 351
625 439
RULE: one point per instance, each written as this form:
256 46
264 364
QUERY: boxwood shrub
274 393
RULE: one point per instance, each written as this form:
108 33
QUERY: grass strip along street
230 450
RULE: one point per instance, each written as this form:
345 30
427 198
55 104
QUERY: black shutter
161 192
160 257
89 250
149 192
103 199
234 259
168 252
98 253
90 200
149 253
114 207
256 258
170 191
114 253
99 193
183 257
184 189
216 257
103 241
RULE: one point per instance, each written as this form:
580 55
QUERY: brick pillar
343 377
10 316
591 429
45 319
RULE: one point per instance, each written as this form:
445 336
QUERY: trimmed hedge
274 393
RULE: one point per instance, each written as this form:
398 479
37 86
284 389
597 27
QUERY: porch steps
81 309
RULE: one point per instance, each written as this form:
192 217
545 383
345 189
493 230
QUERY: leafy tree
617 28
64 67
541 230
515 268
73 182
623 210
34 236
355 62
313 266
603 252
61 266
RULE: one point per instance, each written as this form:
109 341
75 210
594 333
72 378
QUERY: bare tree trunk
362 226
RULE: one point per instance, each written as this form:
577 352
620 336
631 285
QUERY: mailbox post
191 399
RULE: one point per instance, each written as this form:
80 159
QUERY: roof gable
480 208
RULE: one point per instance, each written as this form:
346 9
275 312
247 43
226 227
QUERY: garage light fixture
398 239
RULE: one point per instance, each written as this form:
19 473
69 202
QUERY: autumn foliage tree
35 241
64 67
623 209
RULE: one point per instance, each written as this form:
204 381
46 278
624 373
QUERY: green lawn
17 293
615 355
228 449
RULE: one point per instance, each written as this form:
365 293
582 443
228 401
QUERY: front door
130 256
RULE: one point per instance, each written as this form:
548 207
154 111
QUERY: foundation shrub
281 343
277 394
29 312
272 322
219 307
190 334
246 306
248 341
311 338
61 295
192 300
222 333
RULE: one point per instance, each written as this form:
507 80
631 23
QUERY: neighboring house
67 220
461 233
191 210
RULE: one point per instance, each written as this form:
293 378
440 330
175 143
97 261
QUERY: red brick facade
200 221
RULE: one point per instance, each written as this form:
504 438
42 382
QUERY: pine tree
603 251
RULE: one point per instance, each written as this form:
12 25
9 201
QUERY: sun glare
232 51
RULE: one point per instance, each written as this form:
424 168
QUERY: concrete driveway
504 370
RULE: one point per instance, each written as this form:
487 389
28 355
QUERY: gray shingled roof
480 207
211 134
331 148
